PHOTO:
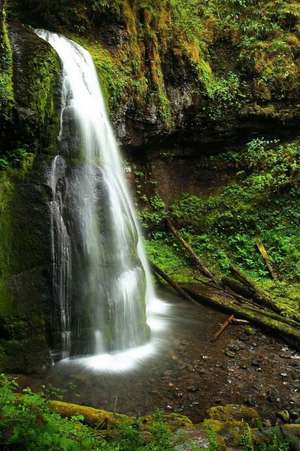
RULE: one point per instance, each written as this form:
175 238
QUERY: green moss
234 412
6 68
239 55
285 295
32 137
114 77
231 431
6 238
247 208
164 254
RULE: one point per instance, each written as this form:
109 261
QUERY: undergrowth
28 423
261 202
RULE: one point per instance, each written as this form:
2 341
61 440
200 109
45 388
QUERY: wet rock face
164 87
25 263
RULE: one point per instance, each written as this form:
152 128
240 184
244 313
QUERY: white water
100 271
61 259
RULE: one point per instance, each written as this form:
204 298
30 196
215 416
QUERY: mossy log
237 306
263 252
246 287
159 272
105 420
222 300
93 417
194 257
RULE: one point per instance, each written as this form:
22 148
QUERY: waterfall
102 283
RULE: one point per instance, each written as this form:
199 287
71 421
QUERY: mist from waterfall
101 279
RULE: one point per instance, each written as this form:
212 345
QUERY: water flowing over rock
101 279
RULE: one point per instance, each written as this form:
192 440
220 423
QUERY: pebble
234 347
256 363
192 388
230 354
244 338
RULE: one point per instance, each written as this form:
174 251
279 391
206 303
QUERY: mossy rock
234 412
232 432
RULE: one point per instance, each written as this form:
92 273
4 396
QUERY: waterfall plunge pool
128 360
185 372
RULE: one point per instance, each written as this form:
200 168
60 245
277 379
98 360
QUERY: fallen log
224 327
247 288
93 417
106 421
263 252
194 257
227 303
171 282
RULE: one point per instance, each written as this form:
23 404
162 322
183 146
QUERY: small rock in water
230 354
256 363
234 347
192 388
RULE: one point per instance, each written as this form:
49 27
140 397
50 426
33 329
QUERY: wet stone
193 388
230 354
256 363
233 347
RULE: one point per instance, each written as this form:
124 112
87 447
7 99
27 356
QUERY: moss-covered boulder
234 412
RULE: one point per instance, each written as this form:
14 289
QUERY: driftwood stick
263 252
224 327
199 264
221 300
240 322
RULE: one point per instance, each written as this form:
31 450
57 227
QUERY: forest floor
191 372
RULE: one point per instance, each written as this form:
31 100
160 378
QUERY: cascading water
101 278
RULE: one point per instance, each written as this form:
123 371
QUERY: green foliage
165 253
279 443
103 5
262 200
241 54
224 97
27 422
20 158
76 15
212 438
186 19
6 70
154 214
3 163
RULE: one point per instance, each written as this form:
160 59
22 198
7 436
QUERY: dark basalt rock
25 242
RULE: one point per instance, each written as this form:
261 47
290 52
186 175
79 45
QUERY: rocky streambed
190 372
